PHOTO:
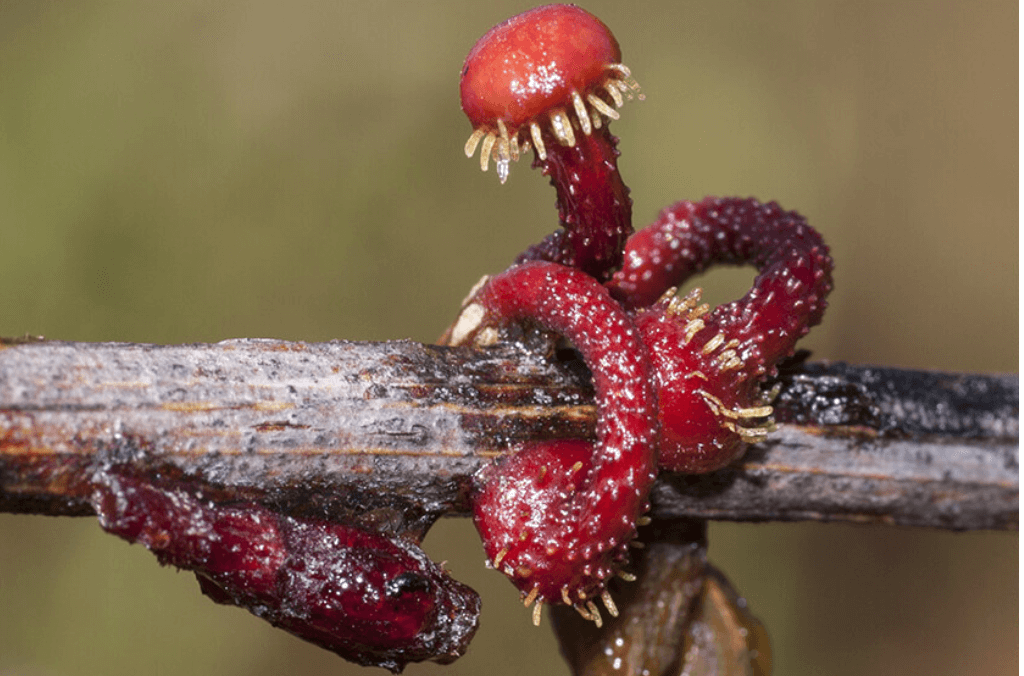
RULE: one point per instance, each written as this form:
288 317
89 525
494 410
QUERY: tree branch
390 434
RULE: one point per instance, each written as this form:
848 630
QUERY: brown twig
390 434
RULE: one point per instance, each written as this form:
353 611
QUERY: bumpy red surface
532 62
552 528
593 206
544 523
528 67
787 298
372 599
554 517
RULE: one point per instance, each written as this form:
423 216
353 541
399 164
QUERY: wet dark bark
390 434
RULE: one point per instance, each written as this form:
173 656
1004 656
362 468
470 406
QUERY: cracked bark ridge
388 436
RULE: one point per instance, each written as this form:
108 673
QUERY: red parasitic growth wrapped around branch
551 79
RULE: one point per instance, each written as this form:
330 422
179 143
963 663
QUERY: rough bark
390 434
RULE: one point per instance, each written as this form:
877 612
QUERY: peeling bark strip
390 434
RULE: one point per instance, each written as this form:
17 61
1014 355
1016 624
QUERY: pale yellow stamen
614 92
691 329
581 113
732 364
488 336
713 344
537 609
603 107
727 355
562 128
538 142
474 141
734 413
609 603
669 297
685 308
485 150
500 556
754 412
714 402
750 435
626 83
503 153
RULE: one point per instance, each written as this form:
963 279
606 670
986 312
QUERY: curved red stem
593 205
557 517
788 295
709 364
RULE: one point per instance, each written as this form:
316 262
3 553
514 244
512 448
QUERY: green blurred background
193 171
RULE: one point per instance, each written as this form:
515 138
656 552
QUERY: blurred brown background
193 171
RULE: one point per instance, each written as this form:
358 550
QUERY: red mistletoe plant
677 384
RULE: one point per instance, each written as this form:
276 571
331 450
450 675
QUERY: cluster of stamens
751 423
737 419
688 309
504 146
584 605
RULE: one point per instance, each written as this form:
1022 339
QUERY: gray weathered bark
391 433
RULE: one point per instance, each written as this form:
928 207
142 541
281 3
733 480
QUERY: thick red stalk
557 517
788 296
373 599
709 364
593 205
548 79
